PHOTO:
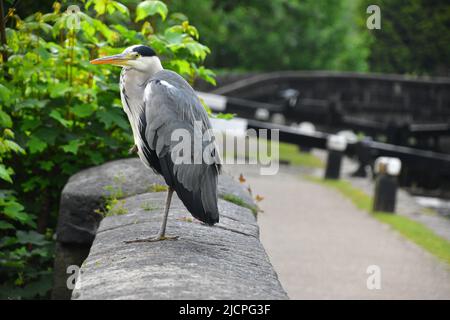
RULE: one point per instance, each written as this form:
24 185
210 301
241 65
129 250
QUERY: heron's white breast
132 87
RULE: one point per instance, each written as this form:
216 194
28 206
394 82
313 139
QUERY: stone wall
226 261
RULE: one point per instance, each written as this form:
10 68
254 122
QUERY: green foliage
113 203
20 251
240 202
414 37
280 34
113 207
26 258
158 188
294 156
316 34
150 8
66 113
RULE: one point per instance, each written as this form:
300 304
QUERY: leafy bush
20 250
67 115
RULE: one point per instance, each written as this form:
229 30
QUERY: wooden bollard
336 146
385 197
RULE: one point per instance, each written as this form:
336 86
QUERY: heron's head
138 57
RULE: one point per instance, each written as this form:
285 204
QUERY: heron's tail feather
196 186
209 195
202 202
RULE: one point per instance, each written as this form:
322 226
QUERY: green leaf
5 173
6 225
46 134
6 242
46 165
191 30
181 67
4 93
207 74
225 116
30 237
14 211
32 103
44 54
59 89
8 133
14 146
150 8
88 30
179 17
83 110
174 35
121 8
112 117
72 146
45 27
99 6
36 145
30 124
109 34
5 119
36 288
197 49
31 184
95 156
58 117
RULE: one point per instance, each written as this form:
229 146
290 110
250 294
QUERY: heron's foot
153 239
133 149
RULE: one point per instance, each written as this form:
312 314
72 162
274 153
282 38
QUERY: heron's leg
162 231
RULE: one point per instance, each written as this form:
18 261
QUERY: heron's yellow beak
117 60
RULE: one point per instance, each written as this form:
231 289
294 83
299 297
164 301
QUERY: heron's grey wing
172 107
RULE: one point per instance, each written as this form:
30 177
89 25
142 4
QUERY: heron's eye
136 55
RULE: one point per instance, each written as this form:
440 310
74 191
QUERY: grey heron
157 102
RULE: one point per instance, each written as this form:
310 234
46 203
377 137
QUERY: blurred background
313 35
311 67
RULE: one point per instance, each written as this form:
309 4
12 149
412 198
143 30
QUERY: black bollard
336 146
385 197
333 169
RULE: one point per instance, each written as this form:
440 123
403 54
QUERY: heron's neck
154 66
134 81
